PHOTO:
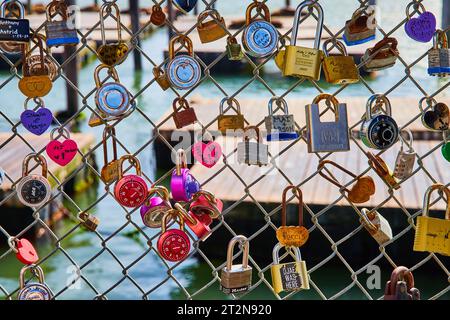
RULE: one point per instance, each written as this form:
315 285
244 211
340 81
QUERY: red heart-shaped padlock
26 252
62 153
208 154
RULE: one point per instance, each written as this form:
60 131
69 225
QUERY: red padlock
130 190
201 230
204 202
174 244
25 251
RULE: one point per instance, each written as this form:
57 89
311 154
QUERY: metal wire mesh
170 271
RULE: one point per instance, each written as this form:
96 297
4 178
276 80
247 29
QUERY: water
103 270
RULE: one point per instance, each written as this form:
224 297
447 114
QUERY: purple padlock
37 122
423 27
183 184
154 208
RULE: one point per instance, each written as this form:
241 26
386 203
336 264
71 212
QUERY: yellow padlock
432 234
339 69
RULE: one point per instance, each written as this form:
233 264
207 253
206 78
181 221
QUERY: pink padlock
156 205
201 230
24 249
204 202
183 184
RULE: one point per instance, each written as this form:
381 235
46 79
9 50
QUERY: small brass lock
212 29
377 226
234 49
161 78
230 122
88 221
339 69
110 170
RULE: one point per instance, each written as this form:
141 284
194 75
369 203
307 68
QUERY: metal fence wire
261 273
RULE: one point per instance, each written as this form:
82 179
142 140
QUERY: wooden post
134 16
445 14
170 17
71 71
288 3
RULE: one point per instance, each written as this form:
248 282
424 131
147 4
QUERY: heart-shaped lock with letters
207 151
423 27
37 122
437 117
61 152
110 170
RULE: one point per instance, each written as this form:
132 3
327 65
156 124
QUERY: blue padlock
280 127
185 5
59 33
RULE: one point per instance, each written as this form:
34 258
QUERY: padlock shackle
180 161
242 239
247 135
173 214
111 71
112 133
161 192
6 3
205 193
56 7
408 142
378 164
378 99
328 97
38 100
368 215
209 12
417 5
185 215
182 102
134 162
62 131
276 251
278 101
337 44
256 5
40 159
106 8
230 102
299 195
440 39
297 18
185 41
427 199
331 178
385 43
401 274
37 270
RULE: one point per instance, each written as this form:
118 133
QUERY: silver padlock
404 164
280 127
59 33
377 226
327 136
439 56
33 290
252 153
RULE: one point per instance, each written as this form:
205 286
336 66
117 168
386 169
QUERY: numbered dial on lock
113 99
174 245
132 192
34 191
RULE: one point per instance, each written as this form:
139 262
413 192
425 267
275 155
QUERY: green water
103 270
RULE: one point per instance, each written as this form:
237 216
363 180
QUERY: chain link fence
173 273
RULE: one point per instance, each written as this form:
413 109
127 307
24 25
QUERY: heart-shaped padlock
61 152
437 118
183 184
156 205
37 122
423 27
207 153
185 5
24 249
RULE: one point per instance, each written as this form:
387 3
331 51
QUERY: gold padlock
161 78
376 225
210 30
230 122
339 69
234 49
432 234
110 170
88 221
382 169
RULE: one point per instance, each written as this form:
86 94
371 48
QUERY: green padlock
446 151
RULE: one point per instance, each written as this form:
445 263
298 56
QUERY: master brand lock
382 169
377 226
110 170
339 69
174 244
252 153
236 278
130 190
88 221
382 56
432 234
59 33
401 286
185 116
404 164
327 136
33 290
234 49
280 127
301 61
291 276
196 224
230 121
33 190
292 235
155 207
260 37
378 130
439 56
182 71
14 33
361 27
212 29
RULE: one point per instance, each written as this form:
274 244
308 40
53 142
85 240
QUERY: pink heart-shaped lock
208 154
61 152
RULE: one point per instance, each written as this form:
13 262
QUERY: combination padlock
183 115
59 33
14 32
423 27
230 122
205 203
33 190
183 71
260 37
382 170
404 164
183 184
382 56
250 152
110 169
130 190
361 27
33 290
196 224
376 225
378 130
88 221
437 115
341 68
212 29
401 286
174 244
234 49
161 78
37 122
155 207
439 56
280 127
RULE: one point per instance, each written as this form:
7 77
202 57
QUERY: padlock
183 71
14 33
437 115
290 276
110 169
376 225
161 78
360 192
33 290
252 153
301 61
330 136
155 207
207 151
96 118
88 221
234 49
423 27
205 203
37 122
185 5
260 37
33 190
445 149
382 170
184 117
183 184
59 33
360 28
280 127
404 164
230 122
174 244
236 278
211 30
401 286
432 234
64 152
24 249
382 56
158 17
378 130
34 61
130 190
439 56
339 69
200 229
111 54
292 236
111 98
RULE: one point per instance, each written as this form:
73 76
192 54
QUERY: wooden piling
170 17
134 16
445 14
71 71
